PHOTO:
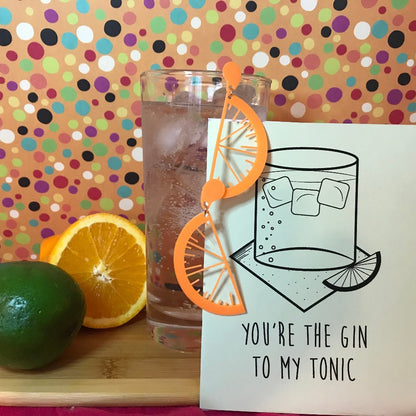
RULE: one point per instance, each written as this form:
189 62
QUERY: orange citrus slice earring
201 265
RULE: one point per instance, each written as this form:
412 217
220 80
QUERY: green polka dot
137 89
158 24
125 94
67 76
239 47
3 171
274 1
50 65
315 82
212 16
216 46
8 243
101 124
106 204
141 226
44 199
68 94
378 98
332 66
73 124
72 18
49 145
297 20
85 204
100 14
268 15
17 162
19 115
54 127
140 200
26 65
123 58
171 38
324 15
399 4
162 99
365 48
100 149
86 142
3 216
96 167
36 248
19 206
328 47
375 69
143 45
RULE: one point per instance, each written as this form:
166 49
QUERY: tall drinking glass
176 106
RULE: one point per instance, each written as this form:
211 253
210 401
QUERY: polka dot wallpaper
70 110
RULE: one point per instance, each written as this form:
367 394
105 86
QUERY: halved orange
105 254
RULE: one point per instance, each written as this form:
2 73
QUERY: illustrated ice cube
333 193
305 202
278 192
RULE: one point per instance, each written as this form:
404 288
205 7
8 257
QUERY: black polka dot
87 155
22 130
290 83
216 80
131 178
112 28
372 85
159 46
44 116
83 84
34 206
32 97
274 52
49 37
403 78
131 142
110 97
116 3
396 39
24 182
340 4
5 37
251 6
326 32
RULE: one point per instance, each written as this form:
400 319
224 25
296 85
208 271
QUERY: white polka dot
137 133
366 107
304 74
29 108
366 61
25 31
87 175
84 68
59 166
45 1
181 49
410 62
412 118
55 207
125 204
85 34
240 17
308 5
24 84
135 55
137 154
284 60
362 30
7 136
196 22
77 135
298 110
14 213
9 179
106 63
211 66
260 59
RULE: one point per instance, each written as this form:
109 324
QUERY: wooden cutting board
111 367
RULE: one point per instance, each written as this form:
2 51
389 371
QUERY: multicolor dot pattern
70 110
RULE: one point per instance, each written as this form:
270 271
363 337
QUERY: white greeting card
323 248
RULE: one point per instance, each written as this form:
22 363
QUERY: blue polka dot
351 81
114 163
197 4
379 29
67 153
295 48
411 107
178 16
124 191
251 31
69 40
401 58
127 124
5 16
82 107
58 107
83 6
155 66
48 170
28 144
33 223
5 187
104 46
196 80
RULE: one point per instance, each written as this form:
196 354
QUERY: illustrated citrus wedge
105 254
355 276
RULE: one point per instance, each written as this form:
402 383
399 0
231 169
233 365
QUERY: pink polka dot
164 4
4 69
12 224
35 50
266 39
120 149
130 68
14 173
39 157
38 81
312 61
398 20
222 61
413 71
368 3
353 56
194 50
22 253
66 207
136 107
129 18
396 117
314 101
227 33
64 138
364 119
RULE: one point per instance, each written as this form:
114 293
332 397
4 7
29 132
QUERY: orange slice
105 254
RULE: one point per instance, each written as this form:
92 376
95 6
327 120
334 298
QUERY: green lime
41 312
